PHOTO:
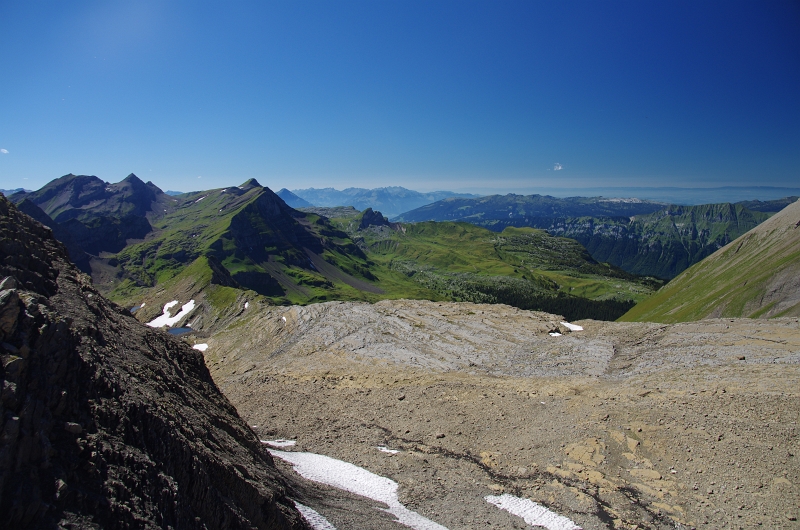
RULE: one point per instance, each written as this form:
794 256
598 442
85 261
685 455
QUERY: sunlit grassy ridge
264 246
756 276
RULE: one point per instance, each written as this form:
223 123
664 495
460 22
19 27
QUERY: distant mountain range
140 244
293 200
390 201
665 194
755 276
641 237
522 208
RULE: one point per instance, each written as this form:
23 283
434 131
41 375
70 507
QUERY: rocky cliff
107 423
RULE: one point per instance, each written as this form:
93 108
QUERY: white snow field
573 327
201 347
313 518
166 320
280 442
346 476
532 513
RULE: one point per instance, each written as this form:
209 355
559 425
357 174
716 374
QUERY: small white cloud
4 151
198 176
557 167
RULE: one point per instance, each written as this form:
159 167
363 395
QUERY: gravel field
620 425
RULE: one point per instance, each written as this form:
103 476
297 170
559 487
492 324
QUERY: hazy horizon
669 194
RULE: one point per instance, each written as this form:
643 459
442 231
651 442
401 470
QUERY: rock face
107 423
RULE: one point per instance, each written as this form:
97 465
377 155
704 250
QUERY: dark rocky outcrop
107 423
372 218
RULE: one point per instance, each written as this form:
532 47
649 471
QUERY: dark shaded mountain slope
662 243
100 217
107 423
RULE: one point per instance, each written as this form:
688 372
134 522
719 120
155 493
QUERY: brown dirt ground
617 426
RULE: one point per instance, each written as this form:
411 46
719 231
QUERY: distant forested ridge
640 237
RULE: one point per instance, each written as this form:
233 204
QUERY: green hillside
641 237
756 276
265 246
524 267
228 247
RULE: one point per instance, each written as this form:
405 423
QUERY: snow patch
201 347
573 327
280 442
532 513
166 320
246 305
200 199
383 449
313 518
555 334
284 319
346 476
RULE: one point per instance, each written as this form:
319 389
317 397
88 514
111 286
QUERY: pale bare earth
616 426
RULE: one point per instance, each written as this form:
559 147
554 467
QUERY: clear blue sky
426 95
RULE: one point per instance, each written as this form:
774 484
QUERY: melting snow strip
246 305
532 513
280 442
313 518
555 334
201 347
387 450
346 476
573 327
166 320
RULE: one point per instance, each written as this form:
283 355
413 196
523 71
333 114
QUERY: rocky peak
372 218
250 183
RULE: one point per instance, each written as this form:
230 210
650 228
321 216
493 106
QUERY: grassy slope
662 244
309 259
549 264
231 226
753 276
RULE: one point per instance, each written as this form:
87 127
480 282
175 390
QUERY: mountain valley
143 246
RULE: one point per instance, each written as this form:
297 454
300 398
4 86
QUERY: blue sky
426 95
